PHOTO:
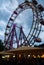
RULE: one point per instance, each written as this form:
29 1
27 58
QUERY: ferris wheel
11 33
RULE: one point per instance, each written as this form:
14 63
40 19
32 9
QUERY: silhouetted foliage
1 46
42 45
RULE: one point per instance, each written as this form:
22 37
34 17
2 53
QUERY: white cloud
24 20
2 33
3 24
7 6
4 7
2 29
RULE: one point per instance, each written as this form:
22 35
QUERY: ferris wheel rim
20 12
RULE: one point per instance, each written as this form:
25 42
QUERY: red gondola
6 33
40 7
8 26
37 40
35 2
11 19
21 6
15 12
42 21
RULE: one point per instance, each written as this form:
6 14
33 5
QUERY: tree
42 45
1 46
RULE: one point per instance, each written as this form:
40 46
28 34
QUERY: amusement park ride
11 36
34 32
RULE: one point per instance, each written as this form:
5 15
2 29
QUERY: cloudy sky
6 9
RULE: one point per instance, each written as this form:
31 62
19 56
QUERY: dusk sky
6 9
